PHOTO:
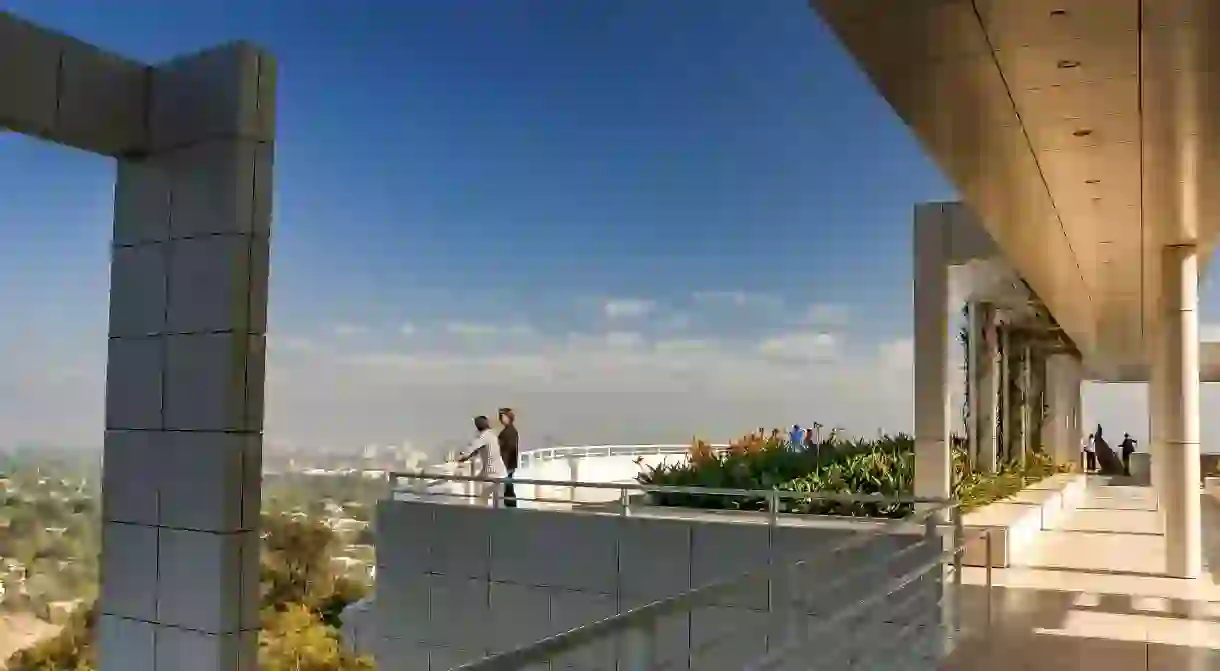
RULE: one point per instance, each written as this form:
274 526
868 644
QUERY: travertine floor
1094 597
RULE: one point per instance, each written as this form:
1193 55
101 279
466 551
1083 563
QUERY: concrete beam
69 92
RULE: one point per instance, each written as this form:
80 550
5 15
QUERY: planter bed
1015 521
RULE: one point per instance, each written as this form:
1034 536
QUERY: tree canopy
301 600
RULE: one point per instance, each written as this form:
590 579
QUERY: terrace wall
455 583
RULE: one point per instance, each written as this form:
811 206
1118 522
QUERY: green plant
884 466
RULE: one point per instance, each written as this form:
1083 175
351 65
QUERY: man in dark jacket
1128 448
509 443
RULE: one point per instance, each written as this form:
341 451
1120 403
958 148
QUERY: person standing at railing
487 448
796 437
1090 454
509 444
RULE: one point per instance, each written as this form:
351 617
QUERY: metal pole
773 507
959 549
988 581
624 502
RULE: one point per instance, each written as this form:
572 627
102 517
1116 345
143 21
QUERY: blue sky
644 178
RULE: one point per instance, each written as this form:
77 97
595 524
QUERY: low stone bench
1014 522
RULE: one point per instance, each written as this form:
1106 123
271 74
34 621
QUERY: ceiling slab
1084 134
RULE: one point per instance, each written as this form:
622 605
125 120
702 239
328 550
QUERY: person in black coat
509 444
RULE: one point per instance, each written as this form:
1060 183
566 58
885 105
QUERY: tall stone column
975 347
184 390
932 448
1158 375
1027 403
989 401
1006 422
1062 387
1177 382
1075 429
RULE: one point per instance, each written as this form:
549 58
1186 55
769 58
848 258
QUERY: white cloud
898 354
486 330
676 322
826 314
800 346
737 298
407 330
624 339
345 330
617 386
628 308
291 344
608 387
471 329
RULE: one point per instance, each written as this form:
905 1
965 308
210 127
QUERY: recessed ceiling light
1059 12
1092 181
1083 132
1067 64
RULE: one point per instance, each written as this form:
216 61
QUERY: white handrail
542 454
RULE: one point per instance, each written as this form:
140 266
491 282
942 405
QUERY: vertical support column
1074 378
1179 418
184 392
1006 422
1027 403
1060 376
1158 376
989 401
932 448
974 369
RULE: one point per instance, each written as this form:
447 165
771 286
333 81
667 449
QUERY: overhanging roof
1083 132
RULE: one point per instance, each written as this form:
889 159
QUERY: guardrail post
624 501
945 596
988 580
959 551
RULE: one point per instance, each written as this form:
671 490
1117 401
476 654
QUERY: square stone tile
137 290
129 565
201 581
134 369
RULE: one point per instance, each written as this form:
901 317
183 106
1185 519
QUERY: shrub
884 466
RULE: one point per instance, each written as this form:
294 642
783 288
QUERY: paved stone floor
1094 596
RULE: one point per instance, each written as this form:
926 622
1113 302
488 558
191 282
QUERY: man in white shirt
1090 454
487 448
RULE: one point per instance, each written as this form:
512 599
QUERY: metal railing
532 457
861 603
489 491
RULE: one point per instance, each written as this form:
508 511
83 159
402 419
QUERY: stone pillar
975 347
184 389
1057 436
1027 403
1006 422
1178 418
1158 374
1075 430
989 398
932 448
